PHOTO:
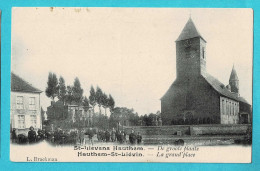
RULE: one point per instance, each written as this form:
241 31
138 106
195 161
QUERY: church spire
189 31
234 81
233 75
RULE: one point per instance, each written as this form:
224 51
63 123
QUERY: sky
128 52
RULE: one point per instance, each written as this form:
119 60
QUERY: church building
196 97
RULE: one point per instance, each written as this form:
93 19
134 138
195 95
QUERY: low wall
193 130
236 129
160 130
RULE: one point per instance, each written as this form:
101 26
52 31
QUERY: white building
25 105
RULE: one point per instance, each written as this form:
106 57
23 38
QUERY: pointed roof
221 89
233 75
189 31
18 84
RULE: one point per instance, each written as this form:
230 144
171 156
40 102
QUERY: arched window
203 53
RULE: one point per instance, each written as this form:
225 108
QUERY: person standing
113 135
81 137
139 138
13 135
107 135
99 135
90 135
32 135
85 137
132 137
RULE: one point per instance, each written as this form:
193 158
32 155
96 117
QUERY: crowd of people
76 136
118 136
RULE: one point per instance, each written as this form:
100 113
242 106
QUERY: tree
123 116
69 96
77 91
52 86
92 98
99 98
111 103
105 102
62 90
86 102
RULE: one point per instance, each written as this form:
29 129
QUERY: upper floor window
21 121
32 103
19 102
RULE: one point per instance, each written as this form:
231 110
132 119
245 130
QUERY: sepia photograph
107 84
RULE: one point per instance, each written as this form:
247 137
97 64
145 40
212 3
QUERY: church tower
233 81
190 53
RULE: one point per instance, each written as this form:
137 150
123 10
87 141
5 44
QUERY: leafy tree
52 86
86 102
105 102
111 103
69 95
92 97
99 98
77 91
62 90
123 115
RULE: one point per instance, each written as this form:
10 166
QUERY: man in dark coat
107 135
103 136
139 138
13 135
132 137
91 135
32 135
113 135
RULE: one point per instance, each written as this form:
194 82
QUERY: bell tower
190 53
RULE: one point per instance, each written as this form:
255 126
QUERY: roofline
38 90
223 94
26 91
192 38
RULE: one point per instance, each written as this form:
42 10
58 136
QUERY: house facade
25 105
71 113
196 97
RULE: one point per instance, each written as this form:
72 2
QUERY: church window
230 108
232 112
222 108
203 53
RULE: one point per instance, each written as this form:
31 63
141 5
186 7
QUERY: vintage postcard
131 85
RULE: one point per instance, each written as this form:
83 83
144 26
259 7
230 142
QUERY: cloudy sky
128 52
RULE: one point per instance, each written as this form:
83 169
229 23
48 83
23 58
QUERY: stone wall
159 130
193 130
236 129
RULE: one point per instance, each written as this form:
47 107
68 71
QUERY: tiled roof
18 84
221 89
214 83
189 31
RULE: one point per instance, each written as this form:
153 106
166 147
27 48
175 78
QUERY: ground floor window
21 121
33 121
